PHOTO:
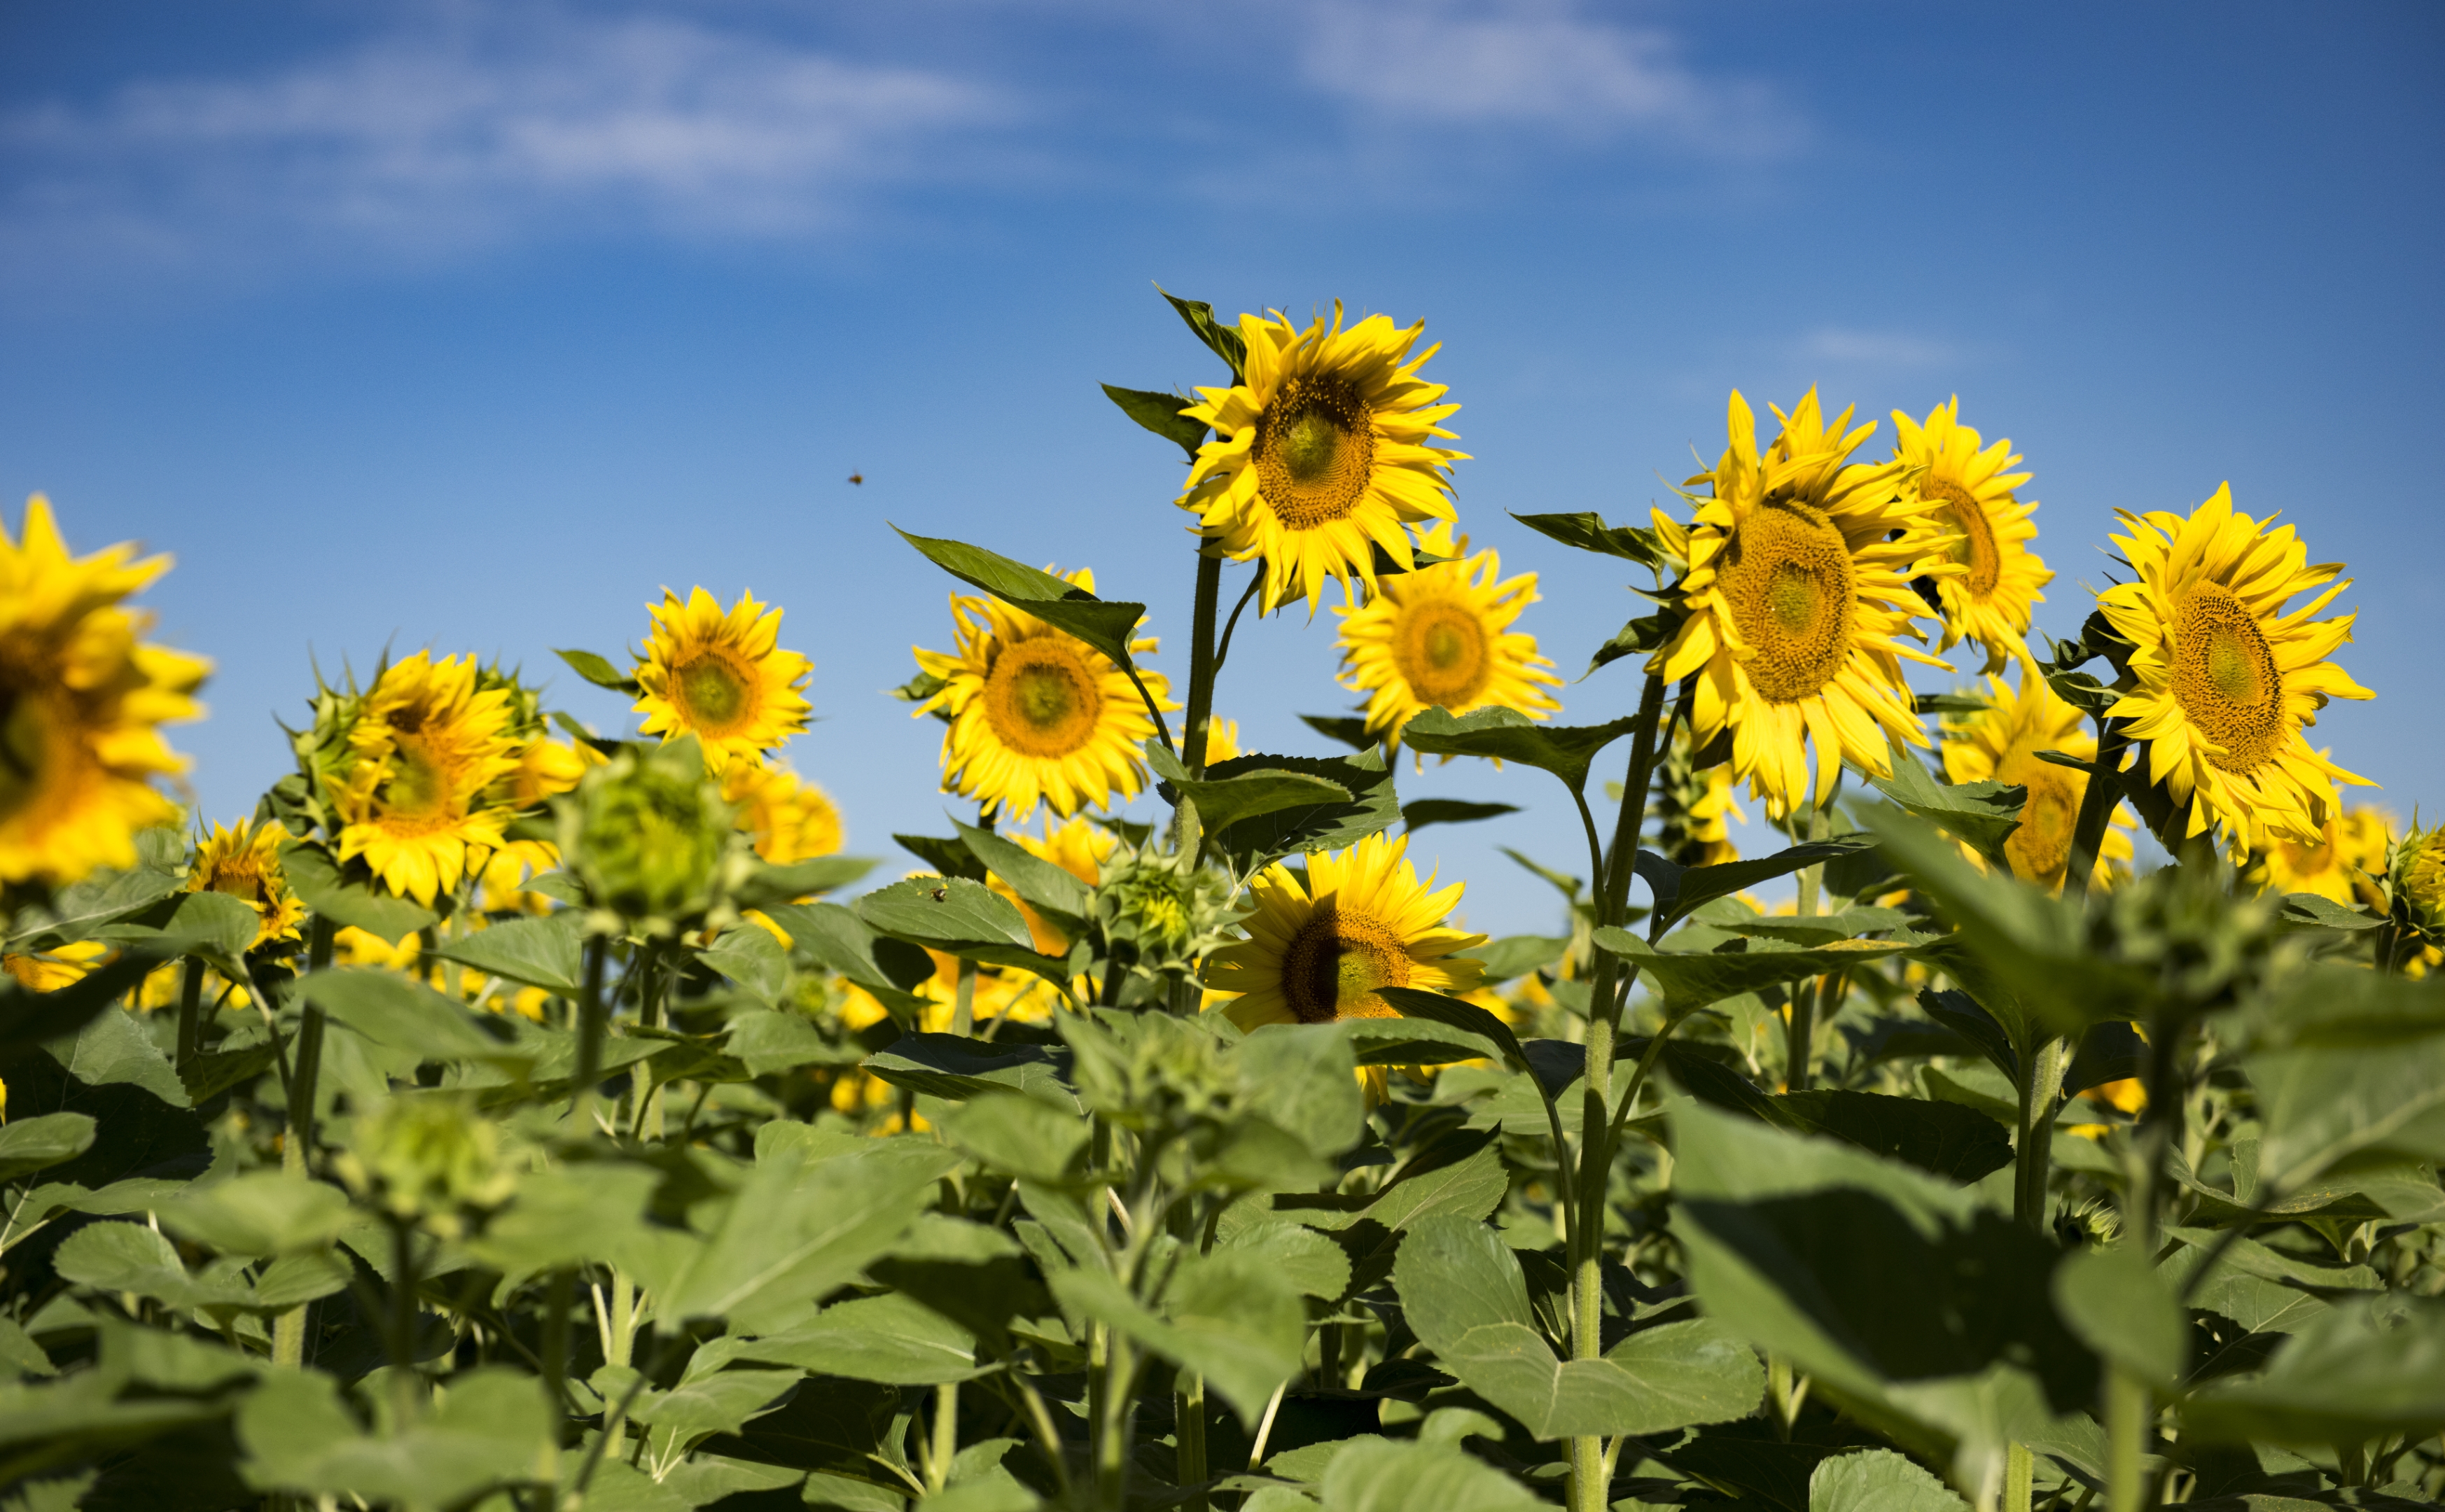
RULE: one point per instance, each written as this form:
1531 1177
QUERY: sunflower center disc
1315 452
1787 576
239 879
1041 699
714 692
1335 963
21 751
1976 547
418 786
2040 848
1440 652
2225 678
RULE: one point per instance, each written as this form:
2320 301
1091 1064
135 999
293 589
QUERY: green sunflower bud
649 836
426 1157
2417 877
1161 913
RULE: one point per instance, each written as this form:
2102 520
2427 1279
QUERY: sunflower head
649 836
1978 525
2349 854
1161 913
82 701
2417 877
787 817
1319 950
1797 594
243 860
1036 715
720 675
427 1157
415 771
2002 742
1324 452
1441 637
2226 677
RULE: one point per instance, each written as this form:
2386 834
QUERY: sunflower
1979 524
1797 594
1325 452
1222 740
422 749
1441 637
720 675
243 860
1037 714
2227 678
2350 853
1319 952
790 819
81 699
2001 742
60 966
1077 848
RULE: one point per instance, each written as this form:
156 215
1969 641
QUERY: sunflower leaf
599 671
1347 729
1037 881
1246 788
1419 813
949 858
1681 890
1161 414
1588 532
1982 815
32 1018
1223 341
1105 625
798 879
1416 1003
1645 633
533 952
1692 979
1506 735
316 880
945 912
1365 804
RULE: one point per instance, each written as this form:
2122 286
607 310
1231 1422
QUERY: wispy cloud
1548 64
435 139
1897 350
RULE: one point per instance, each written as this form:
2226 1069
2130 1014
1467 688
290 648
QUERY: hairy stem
305 1066
2040 1084
191 1001
1201 663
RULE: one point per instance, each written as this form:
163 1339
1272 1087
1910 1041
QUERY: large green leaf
1944 1139
1107 627
1022 1135
829 937
260 1213
1692 979
493 1425
215 926
543 952
1462 1290
1316 823
1039 882
1248 791
1909 1301
1312 1263
113 1050
1161 414
116 1257
318 883
1298 1079
406 1015
1877 1481
1221 339
2347 1064
570 1215
1588 532
951 1067
1680 891
2118 1304
1467 1016
1419 813
1982 814
753 959
765 884
1506 735
36 1144
1227 1316
599 671
887 1338
80 907
945 913
1388 1475
2365 1367
29 1019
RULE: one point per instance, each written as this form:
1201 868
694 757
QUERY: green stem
2020 1478
557 1297
405 1398
945 1444
1201 663
2040 1085
589 1036
305 1066
2096 808
964 1004
191 1001
2126 1440
1800 1030
1188 1419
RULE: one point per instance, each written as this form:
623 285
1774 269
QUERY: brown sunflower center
1441 650
1042 698
2040 848
2225 678
1337 961
1976 547
1315 452
1788 577
23 741
239 876
714 695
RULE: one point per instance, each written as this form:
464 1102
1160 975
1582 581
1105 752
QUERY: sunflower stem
190 1000
2041 1083
306 1065
2096 808
589 1036
964 1009
1800 1030
1201 663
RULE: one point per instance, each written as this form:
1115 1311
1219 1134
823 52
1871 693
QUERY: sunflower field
508 1115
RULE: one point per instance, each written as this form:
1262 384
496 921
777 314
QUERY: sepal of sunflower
1161 913
426 1157
2416 879
649 838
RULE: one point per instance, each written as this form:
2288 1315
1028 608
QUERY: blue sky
471 327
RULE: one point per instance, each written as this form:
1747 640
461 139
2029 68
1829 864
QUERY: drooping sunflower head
787 818
2001 742
1798 597
720 676
2342 865
243 860
82 699
1441 636
1979 525
1325 451
1319 950
2228 677
413 773
2417 878
1037 714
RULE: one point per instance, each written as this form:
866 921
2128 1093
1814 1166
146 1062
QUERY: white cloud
435 139
1874 348
1541 63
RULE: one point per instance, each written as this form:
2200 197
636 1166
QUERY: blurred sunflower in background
720 676
1691 807
410 782
2228 679
1982 527
1797 596
1318 951
787 817
2001 742
243 860
1037 714
81 701
2344 865
1222 740
1441 637
1325 452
